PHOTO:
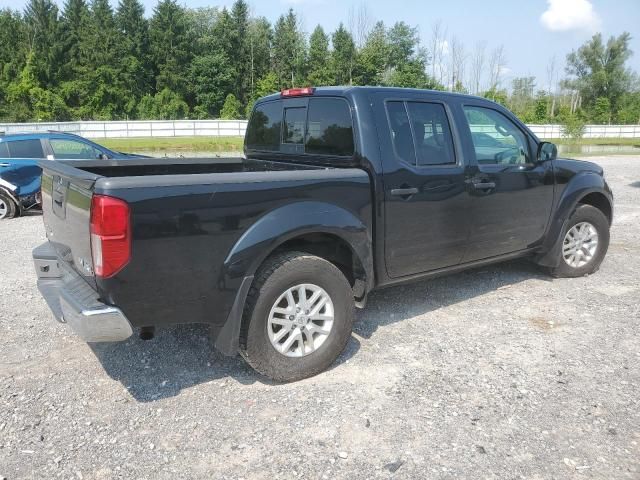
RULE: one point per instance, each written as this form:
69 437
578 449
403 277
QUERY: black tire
11 209
585 213
279 273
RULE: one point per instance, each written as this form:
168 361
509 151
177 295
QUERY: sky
532 31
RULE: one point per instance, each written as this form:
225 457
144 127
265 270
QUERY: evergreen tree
320 72
240 47
133 47
75 29
343 56
170 47
13 55
210 76
260 38
231 108
288 51
43 31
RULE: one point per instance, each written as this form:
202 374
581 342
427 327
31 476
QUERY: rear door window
434 143
4 150
25 149
401 132
265 127
330 128
421 133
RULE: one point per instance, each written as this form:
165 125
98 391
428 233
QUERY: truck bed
190 220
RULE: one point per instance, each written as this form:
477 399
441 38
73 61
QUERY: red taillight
297 92
110 235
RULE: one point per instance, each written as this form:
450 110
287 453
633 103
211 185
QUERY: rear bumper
74 302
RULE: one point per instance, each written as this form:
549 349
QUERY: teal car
19 170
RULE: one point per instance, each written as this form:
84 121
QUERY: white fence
590 131
235 128
138 128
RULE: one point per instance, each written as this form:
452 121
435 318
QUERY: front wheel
584 244
8 208
298 317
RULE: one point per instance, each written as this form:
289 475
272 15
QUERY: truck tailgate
66 208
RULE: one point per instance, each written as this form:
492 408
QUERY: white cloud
563 15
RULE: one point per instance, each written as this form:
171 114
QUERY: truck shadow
182 356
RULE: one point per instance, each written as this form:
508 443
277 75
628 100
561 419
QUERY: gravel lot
497 373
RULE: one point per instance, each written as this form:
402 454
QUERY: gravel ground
496 373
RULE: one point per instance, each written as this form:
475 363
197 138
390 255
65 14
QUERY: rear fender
273 230
295 220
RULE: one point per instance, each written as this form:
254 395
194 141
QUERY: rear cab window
313 127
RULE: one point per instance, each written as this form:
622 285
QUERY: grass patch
596 141
186 144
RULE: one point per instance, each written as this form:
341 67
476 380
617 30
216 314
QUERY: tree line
88 61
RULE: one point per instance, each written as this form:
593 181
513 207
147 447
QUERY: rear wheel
8 207
298 317
584 244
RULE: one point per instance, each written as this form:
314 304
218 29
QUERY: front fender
294 220
580 185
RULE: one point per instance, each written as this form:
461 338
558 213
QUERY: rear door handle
484 185
404 192
5 165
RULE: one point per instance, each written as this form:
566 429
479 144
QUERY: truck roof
348 90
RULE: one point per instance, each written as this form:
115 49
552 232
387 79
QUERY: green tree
372 60
288 51
601 111
240 46
29 101
265 86
13 55
170 47
164 105
319 71
343 56
231 108
210 76
44 32
403 42
260 38
133 53
629 113
598 71
74 29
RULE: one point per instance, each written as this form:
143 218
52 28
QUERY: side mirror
547 151
102 156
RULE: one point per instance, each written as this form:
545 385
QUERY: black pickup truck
340 191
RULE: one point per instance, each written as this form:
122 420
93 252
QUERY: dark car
341 191
19 171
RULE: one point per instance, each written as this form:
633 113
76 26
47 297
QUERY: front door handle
5 164
484 185
404 192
